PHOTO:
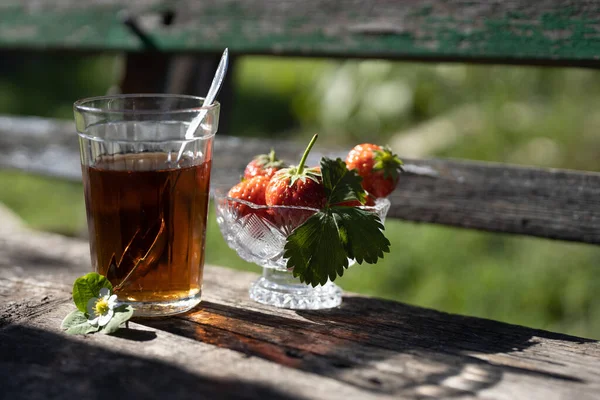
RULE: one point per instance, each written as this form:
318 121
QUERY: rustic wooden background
230 347
557 204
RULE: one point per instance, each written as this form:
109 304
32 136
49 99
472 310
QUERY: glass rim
80 106
220 194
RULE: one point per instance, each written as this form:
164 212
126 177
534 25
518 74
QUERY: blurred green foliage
44 203
523 115
532 116
46 85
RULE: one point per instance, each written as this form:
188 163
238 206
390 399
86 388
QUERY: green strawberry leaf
82 329
340 183
316 250
122 314
269 160
76 323
74 318
362 233
388 162
319 249
88 286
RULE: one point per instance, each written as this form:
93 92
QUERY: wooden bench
232 348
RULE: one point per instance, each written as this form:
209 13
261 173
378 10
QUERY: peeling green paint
443 29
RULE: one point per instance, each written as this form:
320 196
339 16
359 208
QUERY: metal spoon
208 100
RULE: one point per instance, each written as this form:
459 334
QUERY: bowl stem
279 288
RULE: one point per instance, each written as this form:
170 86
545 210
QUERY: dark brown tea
147 224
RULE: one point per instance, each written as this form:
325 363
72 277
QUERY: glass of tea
146 166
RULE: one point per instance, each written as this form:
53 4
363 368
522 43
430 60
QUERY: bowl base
281 289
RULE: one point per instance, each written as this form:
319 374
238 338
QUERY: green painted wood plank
519 31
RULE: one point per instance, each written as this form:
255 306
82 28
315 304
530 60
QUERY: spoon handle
215 86
210 97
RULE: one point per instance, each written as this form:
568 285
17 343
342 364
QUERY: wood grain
549 203
551 32
230 347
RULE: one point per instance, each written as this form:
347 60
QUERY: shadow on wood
369 343
136 335
36 364
456 343
368 348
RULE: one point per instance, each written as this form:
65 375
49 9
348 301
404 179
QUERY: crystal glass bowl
258 234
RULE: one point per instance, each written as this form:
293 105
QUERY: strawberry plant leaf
74 318
363 234
319 249
88 286
315 250
122 315
81 329
340 183
76 323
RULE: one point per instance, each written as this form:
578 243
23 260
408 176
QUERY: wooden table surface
230 347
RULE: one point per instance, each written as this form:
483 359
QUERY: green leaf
385 160
82 329
315 250
319 249
340 183
76 323
74 318
363 234
88 286
269 160
122 314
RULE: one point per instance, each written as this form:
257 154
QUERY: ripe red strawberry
264 164
379 167
297 185
252 190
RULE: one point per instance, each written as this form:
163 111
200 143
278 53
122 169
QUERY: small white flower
101 309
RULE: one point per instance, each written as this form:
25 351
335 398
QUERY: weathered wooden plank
230 347
549 203
557 204
37 361
556 32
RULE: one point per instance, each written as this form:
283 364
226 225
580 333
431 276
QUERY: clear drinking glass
146 185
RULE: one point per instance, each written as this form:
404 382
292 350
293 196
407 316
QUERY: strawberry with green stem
378 166
297 185
265 165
